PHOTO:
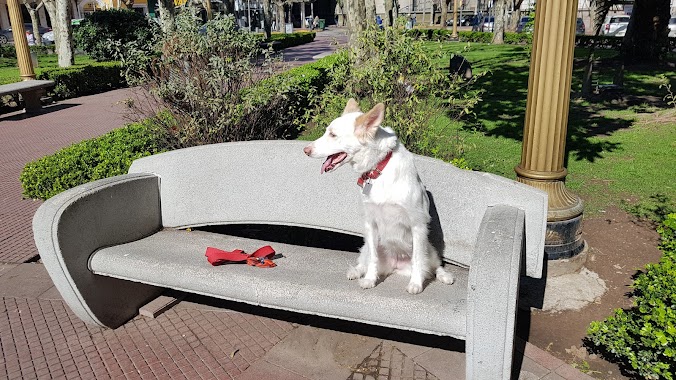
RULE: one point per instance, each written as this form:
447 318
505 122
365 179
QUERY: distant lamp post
23 55
455 20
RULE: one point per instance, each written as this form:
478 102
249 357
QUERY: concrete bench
30 91
112 245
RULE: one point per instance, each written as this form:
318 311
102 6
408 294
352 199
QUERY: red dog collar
375 173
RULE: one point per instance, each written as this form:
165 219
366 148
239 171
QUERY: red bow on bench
261 258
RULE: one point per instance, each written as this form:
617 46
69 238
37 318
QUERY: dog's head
346 135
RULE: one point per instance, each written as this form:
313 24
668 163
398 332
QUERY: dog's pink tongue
327 163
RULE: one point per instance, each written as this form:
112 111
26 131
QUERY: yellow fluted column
544 138
23 55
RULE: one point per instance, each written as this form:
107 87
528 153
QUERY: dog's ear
352 106
366 125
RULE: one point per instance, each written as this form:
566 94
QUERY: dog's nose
308 150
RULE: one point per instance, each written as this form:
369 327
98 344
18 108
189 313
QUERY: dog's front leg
370 244
418 259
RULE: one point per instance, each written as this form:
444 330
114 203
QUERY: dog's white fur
397 206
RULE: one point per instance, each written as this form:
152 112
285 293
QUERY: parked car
523 25
467 20
615 26
6 34
672 27
42 29
487 24
580 28
48 38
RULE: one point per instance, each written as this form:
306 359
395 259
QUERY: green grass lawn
9 72
616 154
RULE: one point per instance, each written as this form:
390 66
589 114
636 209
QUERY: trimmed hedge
113 153
8 51
101 157
94 78
643 338
482 37
282 41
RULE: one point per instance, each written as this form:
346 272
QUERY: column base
563 239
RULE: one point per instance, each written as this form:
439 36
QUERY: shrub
393 67
283 41
464 36
89 160
643 338
101 33
84 80
203 79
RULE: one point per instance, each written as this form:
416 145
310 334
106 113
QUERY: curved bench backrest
273 182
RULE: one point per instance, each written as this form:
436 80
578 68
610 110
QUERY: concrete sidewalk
200 338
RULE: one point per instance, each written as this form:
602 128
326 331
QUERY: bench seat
175 259
112 245
30 91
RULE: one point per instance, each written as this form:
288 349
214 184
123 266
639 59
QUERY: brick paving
24 139
42 339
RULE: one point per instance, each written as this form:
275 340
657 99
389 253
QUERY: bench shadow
374 331
21 115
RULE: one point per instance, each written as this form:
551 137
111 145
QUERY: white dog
396 205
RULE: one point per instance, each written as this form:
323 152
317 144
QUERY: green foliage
102 33
643 338
282 40
393 66
219 85
469 36
89 160
84 80
670 97
655 208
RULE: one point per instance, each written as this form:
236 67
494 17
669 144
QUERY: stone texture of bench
112 245
30 90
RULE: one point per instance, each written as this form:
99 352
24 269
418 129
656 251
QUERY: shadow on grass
502 114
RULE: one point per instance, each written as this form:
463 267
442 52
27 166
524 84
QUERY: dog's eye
332 135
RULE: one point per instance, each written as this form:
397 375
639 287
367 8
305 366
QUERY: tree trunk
516 16
167 15
33 12
499 22
646 39
444 12
50 6
280 17
357 19
65 33
370 11
389 19
267 18
514 21
432 13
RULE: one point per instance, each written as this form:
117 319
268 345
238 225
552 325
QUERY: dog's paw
414 288
445 277
367 283
354 273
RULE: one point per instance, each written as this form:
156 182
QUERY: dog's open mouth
333 161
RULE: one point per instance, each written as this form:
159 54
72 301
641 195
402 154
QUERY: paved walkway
200 338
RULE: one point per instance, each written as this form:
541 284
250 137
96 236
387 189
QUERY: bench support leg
32 100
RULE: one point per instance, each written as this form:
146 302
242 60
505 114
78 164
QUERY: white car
615 26
672 27
48 38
